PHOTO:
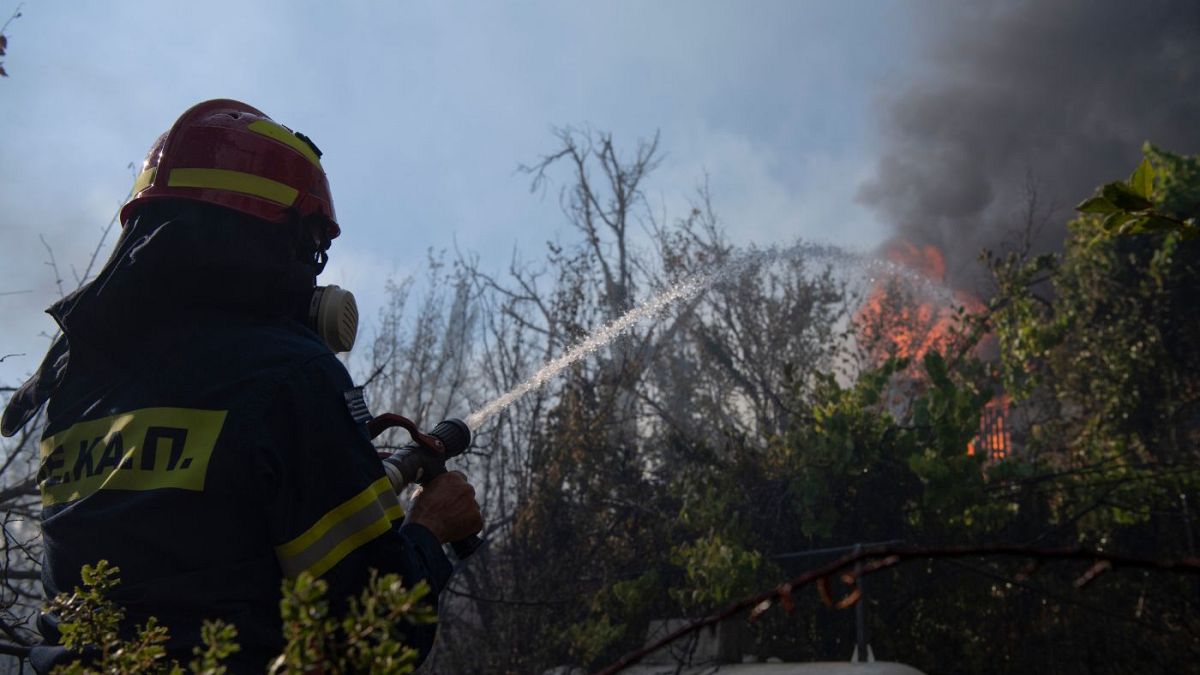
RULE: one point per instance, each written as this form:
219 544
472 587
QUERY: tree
591 470
1102 370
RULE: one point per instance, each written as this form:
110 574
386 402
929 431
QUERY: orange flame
891 325
928 260
995 436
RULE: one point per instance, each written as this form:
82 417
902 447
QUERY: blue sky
424 111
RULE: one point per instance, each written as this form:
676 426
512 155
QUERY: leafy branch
1127 207
369 638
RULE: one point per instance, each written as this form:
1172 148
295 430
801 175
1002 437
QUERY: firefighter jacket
210 453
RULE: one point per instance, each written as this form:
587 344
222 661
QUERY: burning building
910 313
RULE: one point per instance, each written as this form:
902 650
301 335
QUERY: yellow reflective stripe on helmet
144 179
275 131
234 181
145 449
351 524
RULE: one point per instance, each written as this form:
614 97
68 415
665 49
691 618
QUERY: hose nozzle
425 458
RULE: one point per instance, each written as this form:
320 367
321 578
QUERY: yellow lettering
83 463
113 450
146 449
51 462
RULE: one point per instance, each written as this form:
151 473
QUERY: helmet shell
228 153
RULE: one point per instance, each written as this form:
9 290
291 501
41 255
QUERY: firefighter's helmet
231 154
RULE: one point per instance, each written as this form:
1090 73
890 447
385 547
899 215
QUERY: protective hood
162 270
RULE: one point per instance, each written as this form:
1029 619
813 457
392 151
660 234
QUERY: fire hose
424 459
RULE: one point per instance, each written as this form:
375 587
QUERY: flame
995 436
891 324
927 260
895 322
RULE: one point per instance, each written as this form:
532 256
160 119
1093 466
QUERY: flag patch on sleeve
356 403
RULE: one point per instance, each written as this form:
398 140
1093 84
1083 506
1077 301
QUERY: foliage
857 460
1096 346
220 642
369 638
1096 349
1139 206
90 624
716 572
700 457
1107 352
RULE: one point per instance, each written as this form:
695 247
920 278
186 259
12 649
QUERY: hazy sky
425 109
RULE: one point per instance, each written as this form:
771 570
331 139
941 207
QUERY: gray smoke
1054 94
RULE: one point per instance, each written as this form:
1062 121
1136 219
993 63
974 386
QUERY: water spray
687 289
425 458
684 290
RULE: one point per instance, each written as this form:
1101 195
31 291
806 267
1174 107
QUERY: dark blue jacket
208 451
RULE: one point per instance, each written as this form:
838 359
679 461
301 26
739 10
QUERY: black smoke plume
1051 97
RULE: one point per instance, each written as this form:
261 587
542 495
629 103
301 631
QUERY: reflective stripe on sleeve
234 181
353 523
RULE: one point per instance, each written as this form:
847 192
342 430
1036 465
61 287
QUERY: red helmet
228 153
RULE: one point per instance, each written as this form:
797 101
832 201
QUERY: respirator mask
331 310
333 315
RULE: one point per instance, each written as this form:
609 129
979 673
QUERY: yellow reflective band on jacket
234 181
353 523
147 449
277 132
144 179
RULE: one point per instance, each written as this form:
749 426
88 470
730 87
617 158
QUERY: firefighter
201 435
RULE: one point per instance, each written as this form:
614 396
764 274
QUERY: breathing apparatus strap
331 311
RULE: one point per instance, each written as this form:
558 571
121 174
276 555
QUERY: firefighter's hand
446 505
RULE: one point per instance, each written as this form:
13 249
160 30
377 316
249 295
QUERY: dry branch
889 556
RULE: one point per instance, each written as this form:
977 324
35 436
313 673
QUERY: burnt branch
874 560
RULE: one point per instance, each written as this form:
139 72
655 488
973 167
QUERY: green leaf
1115 221
1142 180
1158 224
1123 197
1096 205
936 367
1135 225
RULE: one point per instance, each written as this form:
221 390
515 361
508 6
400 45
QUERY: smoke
1051 97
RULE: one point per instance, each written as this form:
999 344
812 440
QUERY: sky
424 111
845 123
